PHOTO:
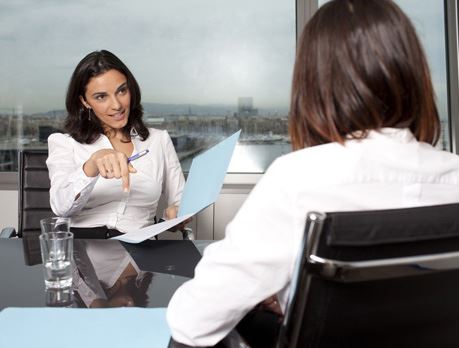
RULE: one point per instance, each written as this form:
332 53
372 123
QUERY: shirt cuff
82 184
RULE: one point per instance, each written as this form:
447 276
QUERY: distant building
155 121
245 107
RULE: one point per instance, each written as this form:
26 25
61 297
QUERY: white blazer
389 169
102 202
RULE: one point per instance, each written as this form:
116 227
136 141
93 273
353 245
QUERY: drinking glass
56 245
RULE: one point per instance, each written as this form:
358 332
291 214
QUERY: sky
199 51
429 21
184 52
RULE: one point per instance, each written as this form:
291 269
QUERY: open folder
202 188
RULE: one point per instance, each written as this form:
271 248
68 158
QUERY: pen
137 155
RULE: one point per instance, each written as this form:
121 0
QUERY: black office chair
33 195
377 279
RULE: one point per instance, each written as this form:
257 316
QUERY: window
429 20
206 68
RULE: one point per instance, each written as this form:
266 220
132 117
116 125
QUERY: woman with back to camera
364 124
92 180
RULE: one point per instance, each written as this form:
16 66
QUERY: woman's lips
119 116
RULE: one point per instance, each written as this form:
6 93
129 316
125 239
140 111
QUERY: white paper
150 231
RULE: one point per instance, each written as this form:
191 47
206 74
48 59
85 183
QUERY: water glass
57 255
55 224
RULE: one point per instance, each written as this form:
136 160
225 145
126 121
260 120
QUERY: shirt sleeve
68 179
253 261
174 180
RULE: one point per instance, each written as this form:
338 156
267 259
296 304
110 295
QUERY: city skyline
170 109
180 53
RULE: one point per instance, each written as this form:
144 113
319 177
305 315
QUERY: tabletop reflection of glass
106 273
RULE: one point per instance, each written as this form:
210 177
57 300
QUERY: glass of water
56 244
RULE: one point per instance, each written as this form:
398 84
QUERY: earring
89 114
134 133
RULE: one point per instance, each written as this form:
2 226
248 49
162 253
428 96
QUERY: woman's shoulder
311 164
66 140
60 138
313 153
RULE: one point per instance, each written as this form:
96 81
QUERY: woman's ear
84 102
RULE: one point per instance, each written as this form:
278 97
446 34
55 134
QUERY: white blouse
389 169
102 202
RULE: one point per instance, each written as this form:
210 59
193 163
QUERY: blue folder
206 176
78 327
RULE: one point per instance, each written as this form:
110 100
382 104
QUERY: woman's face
109 98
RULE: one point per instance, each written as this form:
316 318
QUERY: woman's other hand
171 213
109 164
271 304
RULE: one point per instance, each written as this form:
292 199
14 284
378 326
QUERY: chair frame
310 264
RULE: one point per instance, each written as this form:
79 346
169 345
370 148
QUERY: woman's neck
116 135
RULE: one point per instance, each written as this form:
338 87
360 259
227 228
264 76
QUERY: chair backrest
34 187
377 279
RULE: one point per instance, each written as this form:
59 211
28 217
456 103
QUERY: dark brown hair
359 67
84 129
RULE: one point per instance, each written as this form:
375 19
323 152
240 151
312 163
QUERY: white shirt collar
403 135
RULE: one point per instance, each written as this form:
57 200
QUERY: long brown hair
84 129
359 67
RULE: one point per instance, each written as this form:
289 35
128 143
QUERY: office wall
9 204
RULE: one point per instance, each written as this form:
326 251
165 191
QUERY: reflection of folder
202 188
166 256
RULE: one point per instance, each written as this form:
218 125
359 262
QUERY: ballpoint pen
137 155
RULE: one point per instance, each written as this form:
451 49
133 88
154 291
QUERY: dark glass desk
165 264
160 267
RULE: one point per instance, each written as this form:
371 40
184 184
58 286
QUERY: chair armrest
187 234
8 232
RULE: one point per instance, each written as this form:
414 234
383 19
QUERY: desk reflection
59 298
106 275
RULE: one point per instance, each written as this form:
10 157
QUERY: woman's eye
100 97
122 91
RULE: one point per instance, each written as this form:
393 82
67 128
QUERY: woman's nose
116 105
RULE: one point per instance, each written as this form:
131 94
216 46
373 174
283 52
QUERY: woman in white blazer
94 179
363 124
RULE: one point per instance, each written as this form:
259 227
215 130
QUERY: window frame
452 65
304 9
233 181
